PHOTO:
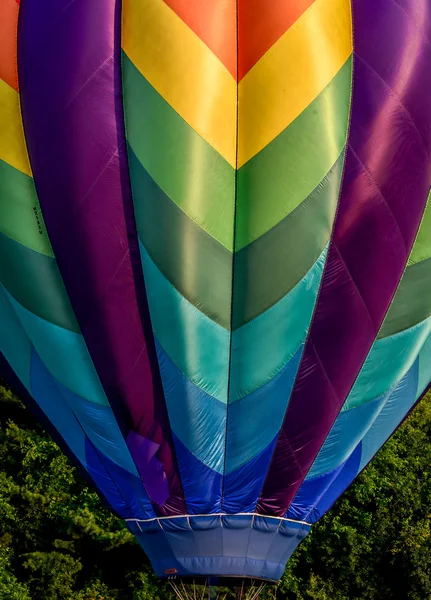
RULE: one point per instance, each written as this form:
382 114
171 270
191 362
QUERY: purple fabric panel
385 186
70 84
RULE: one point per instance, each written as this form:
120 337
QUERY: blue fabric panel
399 403
424 366
97 421
242 487
197 419
224 547
262 347
310 493
123 490
348 429
201 485
255 420
389 360
14 342
316 496
340 483
197 345
63 352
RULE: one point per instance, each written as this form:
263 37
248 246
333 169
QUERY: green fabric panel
388 361
412 301
194 175
422 246
268 268
194 262
21 218
274 182
34 280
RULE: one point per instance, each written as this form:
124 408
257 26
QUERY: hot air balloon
215 256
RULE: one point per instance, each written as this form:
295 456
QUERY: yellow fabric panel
12 144
292 74
183 70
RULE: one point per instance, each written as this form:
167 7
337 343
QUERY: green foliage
57 542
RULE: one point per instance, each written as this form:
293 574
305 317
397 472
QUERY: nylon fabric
348 430
390 358
262 347
12 144
261 24
8 31
213 22
197 419
316 496
287 170
196 345
21 216
198 266
272 265
34 281
183 70
242 485
276 91
180 161
64 353
411 303
202 485
255 420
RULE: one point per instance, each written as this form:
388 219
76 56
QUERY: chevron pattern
233 153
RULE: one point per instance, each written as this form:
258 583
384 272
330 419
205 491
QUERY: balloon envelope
215 255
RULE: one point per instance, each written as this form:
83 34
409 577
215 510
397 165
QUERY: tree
58 542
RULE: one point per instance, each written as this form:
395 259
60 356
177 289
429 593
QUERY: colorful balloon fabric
215 255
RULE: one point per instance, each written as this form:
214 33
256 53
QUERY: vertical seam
229 376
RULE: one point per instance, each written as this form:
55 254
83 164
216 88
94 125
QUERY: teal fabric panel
197 419
399 402
64 354
262 347
424 366
14 342
387 363
198 346
347 431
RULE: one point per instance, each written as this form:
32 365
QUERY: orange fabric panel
260 24
214 21
8 30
